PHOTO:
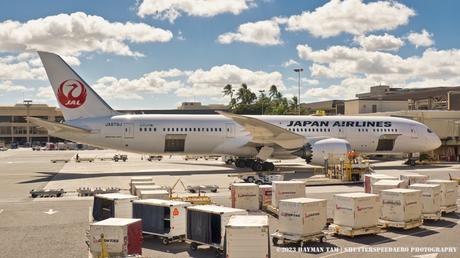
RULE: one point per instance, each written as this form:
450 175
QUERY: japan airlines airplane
253 139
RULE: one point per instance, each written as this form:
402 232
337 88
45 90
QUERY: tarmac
56 227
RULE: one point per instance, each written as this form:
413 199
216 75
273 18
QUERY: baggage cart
162 218
335 229
401 224
297 239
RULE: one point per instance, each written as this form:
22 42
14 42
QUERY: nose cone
432 142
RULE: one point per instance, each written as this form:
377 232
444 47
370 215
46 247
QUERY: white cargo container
371 179
135 179
287 190
387 184
206 224
356 210
245 196
265 195
414 178
431 198
122 237
448 194
401 205
302 216
163 218
150 187
134 184
112 205
154 194
247 237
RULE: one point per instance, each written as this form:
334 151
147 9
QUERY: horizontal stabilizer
54 127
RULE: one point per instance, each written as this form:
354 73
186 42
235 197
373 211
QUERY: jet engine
332 149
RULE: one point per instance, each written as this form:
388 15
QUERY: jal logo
72 93
175 212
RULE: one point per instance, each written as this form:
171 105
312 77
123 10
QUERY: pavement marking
1 211
90 214
50 212
395 238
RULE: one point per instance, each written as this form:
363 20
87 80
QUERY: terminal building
15 129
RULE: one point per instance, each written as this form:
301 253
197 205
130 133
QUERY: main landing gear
255 165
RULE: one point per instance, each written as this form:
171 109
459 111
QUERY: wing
266 133
57 127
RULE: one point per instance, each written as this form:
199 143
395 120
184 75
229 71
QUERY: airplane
251 139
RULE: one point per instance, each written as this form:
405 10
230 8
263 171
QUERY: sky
155 54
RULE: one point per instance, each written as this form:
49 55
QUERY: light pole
262 100
28 103
298 71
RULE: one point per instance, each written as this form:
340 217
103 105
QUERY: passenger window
150 129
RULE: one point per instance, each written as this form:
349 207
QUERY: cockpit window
429 130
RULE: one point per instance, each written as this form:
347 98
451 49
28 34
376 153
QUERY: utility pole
28 103
262 100
298 71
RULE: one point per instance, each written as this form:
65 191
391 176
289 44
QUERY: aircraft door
128 130
229 130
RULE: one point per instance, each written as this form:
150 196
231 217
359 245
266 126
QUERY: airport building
383 98
15 129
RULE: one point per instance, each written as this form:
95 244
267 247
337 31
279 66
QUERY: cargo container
162 218
245 196
387 184
371 179
247 237
206 225
154 194
133 184
414 178
122 237
265 195
150 187
302 216
448 194
140 179
401 205
431 200
112 205
286 190
357 210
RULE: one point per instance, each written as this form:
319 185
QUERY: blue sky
156 54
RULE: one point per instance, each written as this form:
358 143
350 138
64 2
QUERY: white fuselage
216 134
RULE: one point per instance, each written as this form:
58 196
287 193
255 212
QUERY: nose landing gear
255 165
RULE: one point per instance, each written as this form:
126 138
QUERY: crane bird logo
72 93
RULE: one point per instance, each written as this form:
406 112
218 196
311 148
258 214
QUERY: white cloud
71 34
152 83
172 9
264 33
361 69
423 39
290 62
45 94
379 42
351 16
24 66
9 86
210 82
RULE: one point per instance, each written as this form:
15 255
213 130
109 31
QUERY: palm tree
245 95
293 104
228 90
273 92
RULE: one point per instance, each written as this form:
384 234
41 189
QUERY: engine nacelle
332 149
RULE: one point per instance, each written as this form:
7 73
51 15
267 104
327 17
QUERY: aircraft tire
258 166
240 163
268 166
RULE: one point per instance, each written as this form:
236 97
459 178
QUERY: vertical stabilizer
76 98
